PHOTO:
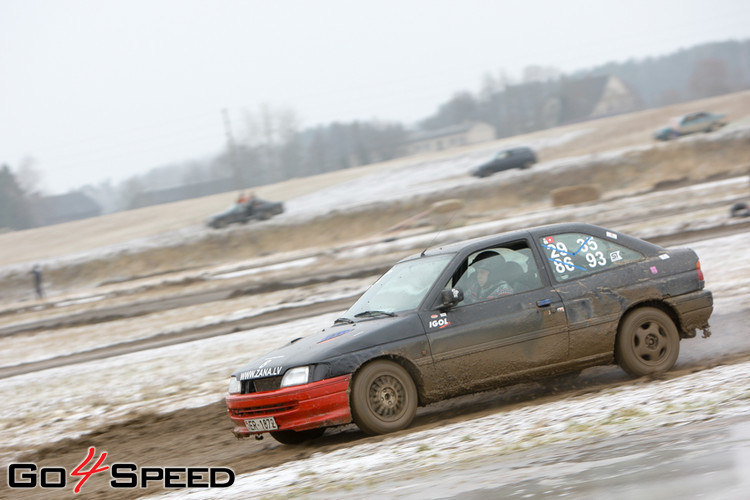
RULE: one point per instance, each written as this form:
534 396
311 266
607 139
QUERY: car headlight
296 376
235 386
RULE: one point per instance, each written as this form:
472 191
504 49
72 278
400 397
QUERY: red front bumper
300 407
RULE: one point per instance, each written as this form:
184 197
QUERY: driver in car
487 283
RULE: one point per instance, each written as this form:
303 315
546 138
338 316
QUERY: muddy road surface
614 468
587 466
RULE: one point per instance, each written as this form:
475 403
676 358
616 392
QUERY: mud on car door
593 299
520 328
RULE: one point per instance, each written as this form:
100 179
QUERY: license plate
261 424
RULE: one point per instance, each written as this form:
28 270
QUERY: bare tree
268 131
535 73
709 78
29 177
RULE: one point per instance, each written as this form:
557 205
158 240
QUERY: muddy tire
647 342
297 437
383 398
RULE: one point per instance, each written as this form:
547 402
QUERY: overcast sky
95 89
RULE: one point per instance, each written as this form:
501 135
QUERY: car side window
573 255
497 271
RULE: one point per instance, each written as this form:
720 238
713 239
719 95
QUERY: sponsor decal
654 270
271 371
615 256
549 240
611 235
124 475
438 321
664 256
332 336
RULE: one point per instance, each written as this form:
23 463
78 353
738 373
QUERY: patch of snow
292 264
73 400
696 398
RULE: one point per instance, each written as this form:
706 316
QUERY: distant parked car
520 157
701 121
241 213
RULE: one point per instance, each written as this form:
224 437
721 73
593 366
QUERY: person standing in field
37 273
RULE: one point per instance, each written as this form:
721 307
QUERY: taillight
700 273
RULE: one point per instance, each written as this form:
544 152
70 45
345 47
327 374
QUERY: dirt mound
571 195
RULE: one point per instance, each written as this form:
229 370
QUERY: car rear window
572 255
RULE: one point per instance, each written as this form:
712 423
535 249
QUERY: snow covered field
387 468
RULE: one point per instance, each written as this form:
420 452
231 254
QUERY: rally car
242 212
471 316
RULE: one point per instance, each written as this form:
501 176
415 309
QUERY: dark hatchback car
241 213
476 315
520 157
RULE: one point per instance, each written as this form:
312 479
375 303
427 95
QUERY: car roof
475 244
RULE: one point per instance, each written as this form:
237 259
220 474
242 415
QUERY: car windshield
231 208
402 288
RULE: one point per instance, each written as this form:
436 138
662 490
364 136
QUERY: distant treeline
274 149
702 71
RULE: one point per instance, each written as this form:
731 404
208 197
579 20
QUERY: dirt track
201 437
270 318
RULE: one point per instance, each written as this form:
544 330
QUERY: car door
478 344
500 162
694 123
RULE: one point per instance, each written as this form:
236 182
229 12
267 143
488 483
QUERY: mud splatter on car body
474 315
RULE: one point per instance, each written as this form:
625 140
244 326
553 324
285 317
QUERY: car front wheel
647 342
383 398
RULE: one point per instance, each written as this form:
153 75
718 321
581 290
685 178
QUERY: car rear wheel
647 343
297 437
383 398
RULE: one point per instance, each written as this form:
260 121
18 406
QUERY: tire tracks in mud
202 437
167 339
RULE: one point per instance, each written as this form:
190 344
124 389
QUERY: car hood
331 343
482 167
663 132
486 164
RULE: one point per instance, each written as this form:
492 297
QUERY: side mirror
451 297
